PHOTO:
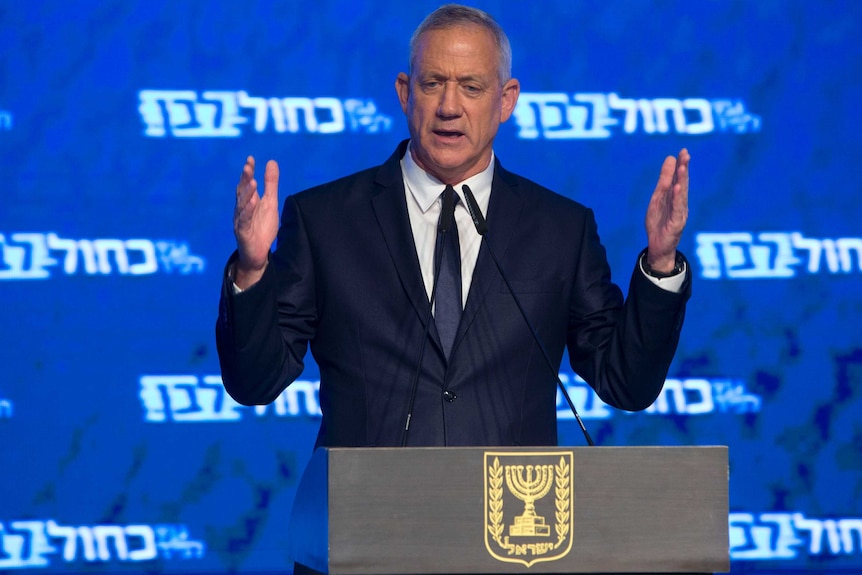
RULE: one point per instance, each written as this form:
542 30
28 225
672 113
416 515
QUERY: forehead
467 48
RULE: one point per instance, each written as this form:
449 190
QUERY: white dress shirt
424 202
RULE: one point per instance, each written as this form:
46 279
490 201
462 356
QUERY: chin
447 159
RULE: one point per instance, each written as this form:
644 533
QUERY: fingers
681 172
680 185
666 181
667 212
247 186
247 196
674 170
270 182
247 175
673 179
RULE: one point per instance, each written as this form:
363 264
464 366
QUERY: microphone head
475 212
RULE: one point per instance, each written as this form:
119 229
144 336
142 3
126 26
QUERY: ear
511 91
402 87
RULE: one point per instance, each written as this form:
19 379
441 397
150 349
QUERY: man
354 273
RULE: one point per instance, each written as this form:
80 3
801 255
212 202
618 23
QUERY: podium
513 510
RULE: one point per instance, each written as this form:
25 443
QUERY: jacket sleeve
622 348
262 333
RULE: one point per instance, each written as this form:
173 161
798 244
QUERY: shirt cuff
230 275
672 284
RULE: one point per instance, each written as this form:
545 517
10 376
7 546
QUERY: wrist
664 268
246 276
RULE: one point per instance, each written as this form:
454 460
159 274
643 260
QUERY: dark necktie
447 310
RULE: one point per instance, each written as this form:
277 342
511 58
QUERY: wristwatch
678 267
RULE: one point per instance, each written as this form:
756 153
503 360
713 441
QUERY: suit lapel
390 208
503 209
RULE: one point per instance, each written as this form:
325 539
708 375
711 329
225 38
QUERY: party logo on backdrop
781 255
229 114
193 399
778 535
694 396
560 116
36 255
28 544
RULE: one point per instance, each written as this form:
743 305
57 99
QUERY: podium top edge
530 448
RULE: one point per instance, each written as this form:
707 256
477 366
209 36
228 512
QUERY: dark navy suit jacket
345 278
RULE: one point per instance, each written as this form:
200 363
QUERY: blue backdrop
123 129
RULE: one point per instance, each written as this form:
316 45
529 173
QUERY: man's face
454 101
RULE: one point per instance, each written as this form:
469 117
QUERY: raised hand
255 222
667 212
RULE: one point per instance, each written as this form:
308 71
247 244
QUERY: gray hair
452 15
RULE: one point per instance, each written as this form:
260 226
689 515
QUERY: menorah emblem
529 487
546 488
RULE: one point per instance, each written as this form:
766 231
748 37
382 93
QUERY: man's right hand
255 223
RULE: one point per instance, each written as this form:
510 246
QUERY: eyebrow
464 78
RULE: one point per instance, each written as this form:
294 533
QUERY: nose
450 105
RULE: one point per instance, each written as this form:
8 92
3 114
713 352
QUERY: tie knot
447 210
449 192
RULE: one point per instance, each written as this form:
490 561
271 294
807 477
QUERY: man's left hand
667 212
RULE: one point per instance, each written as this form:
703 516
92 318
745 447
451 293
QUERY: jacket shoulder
341 187
540 196
357 186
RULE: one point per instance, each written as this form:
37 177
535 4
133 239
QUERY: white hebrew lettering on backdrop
695 396
33 255
738 255
25 544
188 398
789 535
557 115
221 114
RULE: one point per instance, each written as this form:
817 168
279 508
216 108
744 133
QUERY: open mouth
448 134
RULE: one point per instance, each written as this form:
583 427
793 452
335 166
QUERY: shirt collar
425 188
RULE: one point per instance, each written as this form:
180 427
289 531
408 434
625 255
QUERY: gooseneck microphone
444 224
482 229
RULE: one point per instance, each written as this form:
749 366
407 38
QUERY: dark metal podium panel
516 510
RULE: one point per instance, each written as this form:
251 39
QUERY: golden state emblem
528 506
